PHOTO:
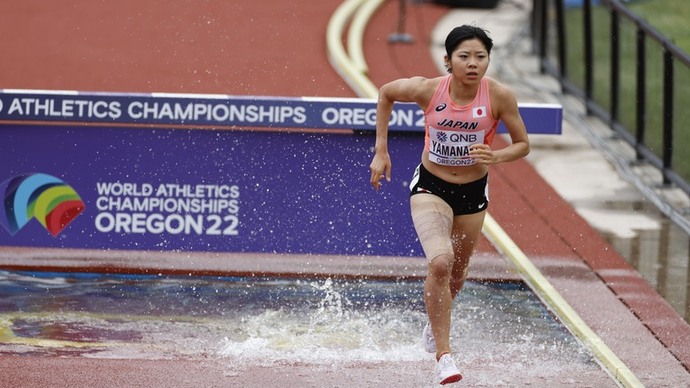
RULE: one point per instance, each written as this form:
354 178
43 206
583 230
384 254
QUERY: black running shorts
466 198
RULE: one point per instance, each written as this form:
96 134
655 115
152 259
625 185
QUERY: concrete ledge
487 266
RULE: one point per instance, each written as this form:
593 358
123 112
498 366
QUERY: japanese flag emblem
478 112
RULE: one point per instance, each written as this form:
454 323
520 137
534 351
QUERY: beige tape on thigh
433 220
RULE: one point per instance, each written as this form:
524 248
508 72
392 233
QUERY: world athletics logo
44 197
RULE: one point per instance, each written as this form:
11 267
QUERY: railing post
668 114
615 67
562 56
589 55
400 36
543 41
641 100
533 25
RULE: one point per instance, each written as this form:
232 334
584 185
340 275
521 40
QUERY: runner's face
469 60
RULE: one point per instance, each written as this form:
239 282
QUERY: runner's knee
433 222
441 265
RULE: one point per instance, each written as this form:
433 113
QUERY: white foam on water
275 336
333 331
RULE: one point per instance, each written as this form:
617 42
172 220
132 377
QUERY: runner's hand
482 154
380 167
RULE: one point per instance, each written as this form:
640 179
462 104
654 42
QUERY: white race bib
452 148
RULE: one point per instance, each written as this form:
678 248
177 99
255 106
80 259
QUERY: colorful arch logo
44 197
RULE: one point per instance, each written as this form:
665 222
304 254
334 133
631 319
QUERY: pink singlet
452 129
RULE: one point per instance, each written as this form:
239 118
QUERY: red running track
278 48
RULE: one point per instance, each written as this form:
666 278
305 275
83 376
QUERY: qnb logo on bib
442 136
452 148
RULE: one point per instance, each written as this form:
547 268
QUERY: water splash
334 329
332 308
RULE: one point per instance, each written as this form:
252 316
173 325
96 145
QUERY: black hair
465 32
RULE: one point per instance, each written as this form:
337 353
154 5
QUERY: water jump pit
500 331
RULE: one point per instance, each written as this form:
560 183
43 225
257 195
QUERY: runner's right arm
415 89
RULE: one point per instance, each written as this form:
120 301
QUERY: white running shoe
446 371
428 339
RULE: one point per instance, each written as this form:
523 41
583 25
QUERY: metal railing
625 71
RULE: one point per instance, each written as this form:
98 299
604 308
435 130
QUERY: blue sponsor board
216 190
186 173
